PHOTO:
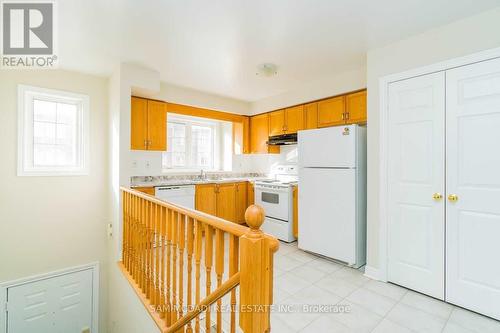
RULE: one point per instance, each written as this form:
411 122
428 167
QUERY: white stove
275 195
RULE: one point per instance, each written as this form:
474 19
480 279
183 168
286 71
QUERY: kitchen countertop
159 181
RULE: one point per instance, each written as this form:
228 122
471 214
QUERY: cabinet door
146 189
250 194
331 112
226 201
259 134
157 125
206 199
277 122
311 115
139 124
241 202
294 120
241 136
296 211
356 108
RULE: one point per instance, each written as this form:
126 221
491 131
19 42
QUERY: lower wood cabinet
227 201
206 199
241 202
250 194
145 189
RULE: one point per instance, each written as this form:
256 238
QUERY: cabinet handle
343 116
145 143
347 115
453 197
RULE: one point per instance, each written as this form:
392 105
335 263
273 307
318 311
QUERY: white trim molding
372 272
383 85
94 266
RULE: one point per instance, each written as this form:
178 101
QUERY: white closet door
415 173
473 174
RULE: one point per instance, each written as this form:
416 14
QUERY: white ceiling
215 46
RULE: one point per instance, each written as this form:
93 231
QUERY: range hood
281 140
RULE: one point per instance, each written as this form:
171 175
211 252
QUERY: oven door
274 201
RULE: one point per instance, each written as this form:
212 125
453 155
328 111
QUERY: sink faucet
202 175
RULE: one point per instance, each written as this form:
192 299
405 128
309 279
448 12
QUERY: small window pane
66 113
44 111
44 132
65 134
43 155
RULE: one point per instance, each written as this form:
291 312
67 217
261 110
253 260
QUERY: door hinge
6 306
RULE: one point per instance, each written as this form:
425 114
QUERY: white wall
310 91
460 38
51 223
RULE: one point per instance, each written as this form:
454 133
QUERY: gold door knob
453 197
437 196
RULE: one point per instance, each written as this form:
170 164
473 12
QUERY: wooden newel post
256 269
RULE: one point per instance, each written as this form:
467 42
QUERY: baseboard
372 272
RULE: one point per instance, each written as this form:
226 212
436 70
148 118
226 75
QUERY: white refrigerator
332 193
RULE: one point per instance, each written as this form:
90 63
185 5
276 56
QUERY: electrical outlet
148 164
134 164
85 330
110 229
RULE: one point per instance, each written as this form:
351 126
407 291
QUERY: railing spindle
161 244
208 270
190 243
219 270
169 254
198 254
233 269
181 246
175 221
156 244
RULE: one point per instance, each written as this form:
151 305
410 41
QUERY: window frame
25 165
189 122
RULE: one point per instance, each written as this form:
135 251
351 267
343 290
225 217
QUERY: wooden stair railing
161 244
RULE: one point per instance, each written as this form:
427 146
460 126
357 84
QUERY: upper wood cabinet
286 121
139 124
356 108
311 115
277 123
148 125
294 119
259 134
331 112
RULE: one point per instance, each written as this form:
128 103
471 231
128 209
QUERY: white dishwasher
182 195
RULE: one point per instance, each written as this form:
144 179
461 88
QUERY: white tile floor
302 278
